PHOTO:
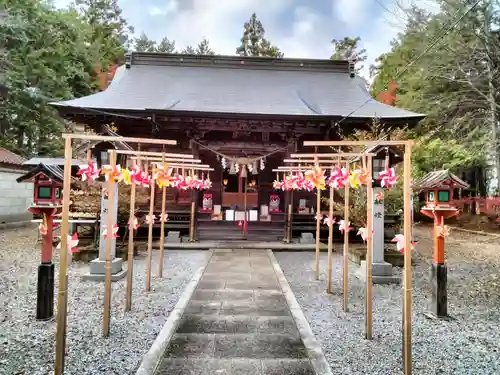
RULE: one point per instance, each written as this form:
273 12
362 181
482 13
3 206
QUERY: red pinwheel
338 178
114 232
343 226
400 242
88 172
388 178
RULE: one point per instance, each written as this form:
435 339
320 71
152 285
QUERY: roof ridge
240 62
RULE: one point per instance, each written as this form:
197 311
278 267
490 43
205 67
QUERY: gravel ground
27 346
468 345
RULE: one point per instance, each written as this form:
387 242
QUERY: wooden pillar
130 256
318 230
369 249
345 274
330 244
150 235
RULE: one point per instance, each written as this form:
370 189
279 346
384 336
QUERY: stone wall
15 197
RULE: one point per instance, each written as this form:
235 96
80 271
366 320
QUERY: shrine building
232 111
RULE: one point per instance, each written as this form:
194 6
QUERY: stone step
240 366
255 346
237 325
237 308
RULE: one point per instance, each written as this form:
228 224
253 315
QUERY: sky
300 28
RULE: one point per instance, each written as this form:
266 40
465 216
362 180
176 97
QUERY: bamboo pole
154 153
345 274
330 244
320 155
62 300
357 143
150 236
407 355
130 257
111 138
369 255
318 230
162 230
107 268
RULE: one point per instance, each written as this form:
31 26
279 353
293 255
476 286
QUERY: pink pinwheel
388 178
150 219
136 175
343 226
277 184
318 217
88 172
338 178
400 242
114 232
42 228
146 180
443 230
363 232
163 217
72 244
133 223
328 220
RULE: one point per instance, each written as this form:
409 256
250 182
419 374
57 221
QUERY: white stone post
97 270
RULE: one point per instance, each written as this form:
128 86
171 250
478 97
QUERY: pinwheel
343 226
136 175
379 198
276 184
400 242
72 244
364 176
363 232
317 177
133 223
42 228
146 180
150 219
329 220
443 230
114 173
354 178
114 232
88 172
388 178
163 217
338 178
318 217
126 178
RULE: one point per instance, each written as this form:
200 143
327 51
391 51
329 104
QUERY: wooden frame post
318 231
407 283
130 256
330 245
150 236
62 299
162 230
109 240
345 273
369 254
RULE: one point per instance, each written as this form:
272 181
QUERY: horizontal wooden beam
358 143
335 155
152 153
110 138
158 159
187 166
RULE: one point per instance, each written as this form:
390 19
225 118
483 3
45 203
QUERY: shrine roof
188 84
9 158
438 178
54 172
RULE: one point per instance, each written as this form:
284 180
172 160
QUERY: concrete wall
15 198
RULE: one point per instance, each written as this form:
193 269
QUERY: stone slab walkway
237 322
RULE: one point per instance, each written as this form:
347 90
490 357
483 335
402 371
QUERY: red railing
489 206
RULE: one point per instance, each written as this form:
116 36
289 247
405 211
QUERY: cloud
170 7
351 12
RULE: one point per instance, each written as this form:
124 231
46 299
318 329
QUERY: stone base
98 270
307 238
439 300
173 237
45 292
381 273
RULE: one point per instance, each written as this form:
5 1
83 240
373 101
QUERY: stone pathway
237 322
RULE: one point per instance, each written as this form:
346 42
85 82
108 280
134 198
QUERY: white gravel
27 346
468 345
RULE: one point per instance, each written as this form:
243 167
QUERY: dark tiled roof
436 178
8 157
236 85
52 171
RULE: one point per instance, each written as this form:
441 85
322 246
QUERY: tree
110 35
348 49
166 46
455 83
47 58
202 49
253 41
144 44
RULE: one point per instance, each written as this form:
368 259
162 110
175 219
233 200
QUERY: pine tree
253 41
348 49
144 44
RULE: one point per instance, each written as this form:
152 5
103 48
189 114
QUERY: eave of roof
52 171
436 178
169 83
